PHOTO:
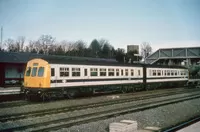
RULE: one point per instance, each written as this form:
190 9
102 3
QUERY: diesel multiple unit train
58 77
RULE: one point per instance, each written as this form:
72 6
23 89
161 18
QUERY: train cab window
103 72
76 72
34 72
126 72
132 72
41 72
117 72
154 72
93 72
159 72
138 72
122 72
85 72
64 72
111 72
52 72
28 72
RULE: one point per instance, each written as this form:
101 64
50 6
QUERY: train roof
14 57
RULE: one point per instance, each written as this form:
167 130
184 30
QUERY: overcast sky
162 23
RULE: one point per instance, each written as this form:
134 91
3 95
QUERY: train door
53 77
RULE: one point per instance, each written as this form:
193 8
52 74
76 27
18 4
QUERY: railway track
19 116
19 103
69 121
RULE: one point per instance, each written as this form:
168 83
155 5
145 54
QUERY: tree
80 47
95 47
146 49
45 41
20 44
10 45
120 54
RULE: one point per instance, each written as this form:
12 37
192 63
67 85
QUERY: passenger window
172 73
64 72
28 72
132 72
41 72
85 70
168 72
34 71
93 72
122 72
110 72
126 72
52 72
117 72
103 72
159 72
154 72
138 72
76 72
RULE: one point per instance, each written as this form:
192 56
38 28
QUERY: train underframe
71 92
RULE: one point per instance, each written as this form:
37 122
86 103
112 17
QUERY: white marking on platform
192 128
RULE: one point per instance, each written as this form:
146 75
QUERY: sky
162 23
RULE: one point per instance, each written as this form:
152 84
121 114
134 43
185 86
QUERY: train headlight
39 92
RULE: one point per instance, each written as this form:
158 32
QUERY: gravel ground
45 118
92 127
164 116
64 103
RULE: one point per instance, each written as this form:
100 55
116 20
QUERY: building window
52 72
93 72
76 72
41 72
28 72
111 72
117 72
64 72
34 71
103 72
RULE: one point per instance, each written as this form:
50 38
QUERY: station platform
10 90
192 128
